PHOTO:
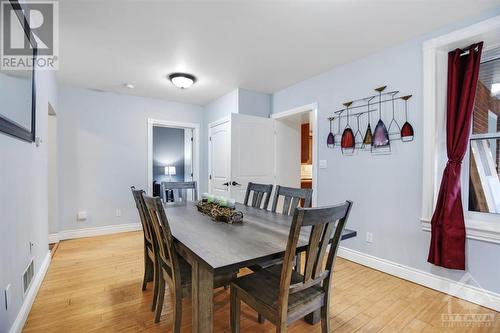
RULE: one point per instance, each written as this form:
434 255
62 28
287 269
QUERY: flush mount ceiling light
182 80
128 85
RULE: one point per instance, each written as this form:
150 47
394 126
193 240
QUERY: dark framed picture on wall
17 74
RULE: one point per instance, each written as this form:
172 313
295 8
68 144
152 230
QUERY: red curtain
447 247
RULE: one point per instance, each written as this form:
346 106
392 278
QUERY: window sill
485 231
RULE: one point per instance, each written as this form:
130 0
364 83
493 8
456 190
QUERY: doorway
296 148
173 155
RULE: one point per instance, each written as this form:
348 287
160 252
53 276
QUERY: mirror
17 96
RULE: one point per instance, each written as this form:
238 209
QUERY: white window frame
480 226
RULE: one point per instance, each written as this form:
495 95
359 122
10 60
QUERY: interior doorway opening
173 156
296 148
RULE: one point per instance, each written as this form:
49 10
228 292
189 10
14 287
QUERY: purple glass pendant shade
330 140
380 135
407 130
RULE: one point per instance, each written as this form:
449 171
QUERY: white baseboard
29 298
458 289
95 231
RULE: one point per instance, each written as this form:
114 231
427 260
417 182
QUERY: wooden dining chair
172 268
149 251
291 198
280 293
180 189
259 192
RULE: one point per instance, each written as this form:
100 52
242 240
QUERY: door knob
235 183
226 183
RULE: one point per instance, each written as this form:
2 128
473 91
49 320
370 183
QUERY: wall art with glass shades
351 128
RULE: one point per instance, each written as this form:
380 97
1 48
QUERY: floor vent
28 276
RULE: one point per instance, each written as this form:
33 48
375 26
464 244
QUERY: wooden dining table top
262 235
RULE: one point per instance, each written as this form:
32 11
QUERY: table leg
202 298
313 317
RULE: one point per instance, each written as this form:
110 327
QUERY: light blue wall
103 151
254 103
168 150
23 202
386 190
221 107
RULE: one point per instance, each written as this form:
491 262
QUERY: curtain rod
466 52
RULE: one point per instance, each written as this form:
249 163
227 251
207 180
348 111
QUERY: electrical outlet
7 297
118 212
369 237
81 215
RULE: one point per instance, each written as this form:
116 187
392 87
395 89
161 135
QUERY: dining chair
259 192
291 198
149 251
279 292
172 268
180 189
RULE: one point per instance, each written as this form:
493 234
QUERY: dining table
215 247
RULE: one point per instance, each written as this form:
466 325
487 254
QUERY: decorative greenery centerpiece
219 208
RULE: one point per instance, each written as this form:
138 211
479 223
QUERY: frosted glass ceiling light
182 80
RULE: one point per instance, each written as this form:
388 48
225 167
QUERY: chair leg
146 270
281 327
260 319
160 298
156 281
177 313
235 311
325 320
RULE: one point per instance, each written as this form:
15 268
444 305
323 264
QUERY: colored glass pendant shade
406 132
330 140
380 135
367 141
347 141
407 129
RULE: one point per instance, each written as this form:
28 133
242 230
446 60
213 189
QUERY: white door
252 153
220 159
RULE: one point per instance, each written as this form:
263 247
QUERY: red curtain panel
447 248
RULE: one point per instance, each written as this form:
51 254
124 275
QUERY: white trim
30 296
54 238
434 118
477 230
450 287
313 107
94 231
196 147
210 125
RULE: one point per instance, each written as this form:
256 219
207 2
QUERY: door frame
312 107
214 123
173 124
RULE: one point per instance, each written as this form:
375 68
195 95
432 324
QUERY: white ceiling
258 45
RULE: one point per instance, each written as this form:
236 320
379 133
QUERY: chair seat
264 287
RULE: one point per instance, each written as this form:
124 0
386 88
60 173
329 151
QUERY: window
484 148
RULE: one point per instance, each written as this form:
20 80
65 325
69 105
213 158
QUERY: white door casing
220 159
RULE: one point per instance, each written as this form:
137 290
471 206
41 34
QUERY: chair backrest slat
323 222
165 240
259 192
291 198
141 207
180 190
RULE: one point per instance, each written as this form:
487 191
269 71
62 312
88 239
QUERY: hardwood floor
94 285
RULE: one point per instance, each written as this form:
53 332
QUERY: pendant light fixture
381 142
330 140
407 130
347 142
